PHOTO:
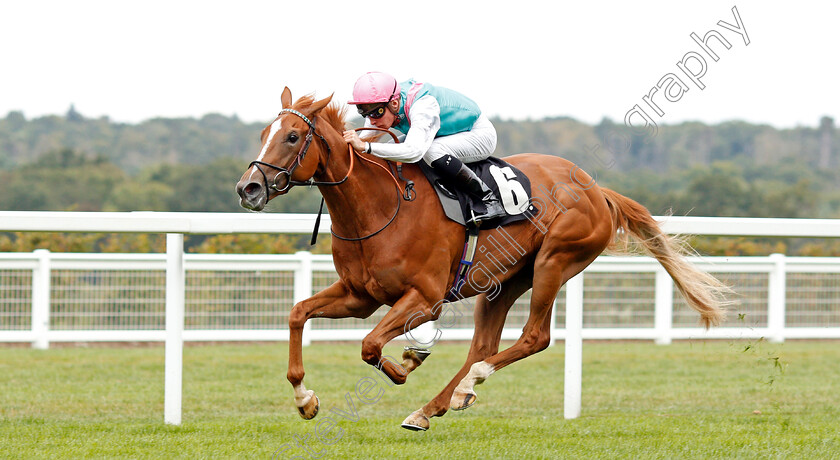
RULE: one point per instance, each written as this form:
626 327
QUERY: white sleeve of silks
425 123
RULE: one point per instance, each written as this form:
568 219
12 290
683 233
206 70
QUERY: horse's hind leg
489 317
550 274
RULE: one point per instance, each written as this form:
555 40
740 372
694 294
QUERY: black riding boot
464 178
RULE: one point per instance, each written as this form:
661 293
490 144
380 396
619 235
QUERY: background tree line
186 164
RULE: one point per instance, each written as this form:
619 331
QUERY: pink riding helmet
375 87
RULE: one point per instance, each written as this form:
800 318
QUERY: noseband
297 161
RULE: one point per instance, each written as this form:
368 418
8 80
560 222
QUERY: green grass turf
640 400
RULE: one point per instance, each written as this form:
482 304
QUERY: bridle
409 194
296 161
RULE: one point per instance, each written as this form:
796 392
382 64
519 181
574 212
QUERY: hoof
416 421
461 401
415 352
413 357
310 409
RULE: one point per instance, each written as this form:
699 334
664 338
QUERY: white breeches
468 146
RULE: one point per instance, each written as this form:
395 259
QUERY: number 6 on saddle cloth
509 184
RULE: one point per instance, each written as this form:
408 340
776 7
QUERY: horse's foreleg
334 302
410 311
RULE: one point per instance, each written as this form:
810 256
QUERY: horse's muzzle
252 195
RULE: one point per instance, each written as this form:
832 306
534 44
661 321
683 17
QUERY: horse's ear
318 105
286 98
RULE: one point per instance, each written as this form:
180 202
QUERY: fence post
174 354
41 281
663 319
776 299
574 347
303 289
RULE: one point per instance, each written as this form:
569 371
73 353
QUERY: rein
408 195
288 171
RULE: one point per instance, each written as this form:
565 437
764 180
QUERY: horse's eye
292 138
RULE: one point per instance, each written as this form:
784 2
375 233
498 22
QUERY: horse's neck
365 202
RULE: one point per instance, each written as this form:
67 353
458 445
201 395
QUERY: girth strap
467 258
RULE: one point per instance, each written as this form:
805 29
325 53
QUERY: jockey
442 127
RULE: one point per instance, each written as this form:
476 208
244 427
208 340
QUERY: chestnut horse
405 254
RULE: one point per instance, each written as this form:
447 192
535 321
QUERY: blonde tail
703 292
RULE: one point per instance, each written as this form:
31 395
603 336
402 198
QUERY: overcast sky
134 60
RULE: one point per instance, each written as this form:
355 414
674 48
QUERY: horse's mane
334 114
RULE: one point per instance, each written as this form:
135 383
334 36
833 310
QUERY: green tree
717 191
59 181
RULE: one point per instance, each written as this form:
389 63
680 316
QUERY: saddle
510 185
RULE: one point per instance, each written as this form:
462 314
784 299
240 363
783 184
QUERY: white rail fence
74 297
65 297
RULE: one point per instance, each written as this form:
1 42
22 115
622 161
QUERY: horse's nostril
253 188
